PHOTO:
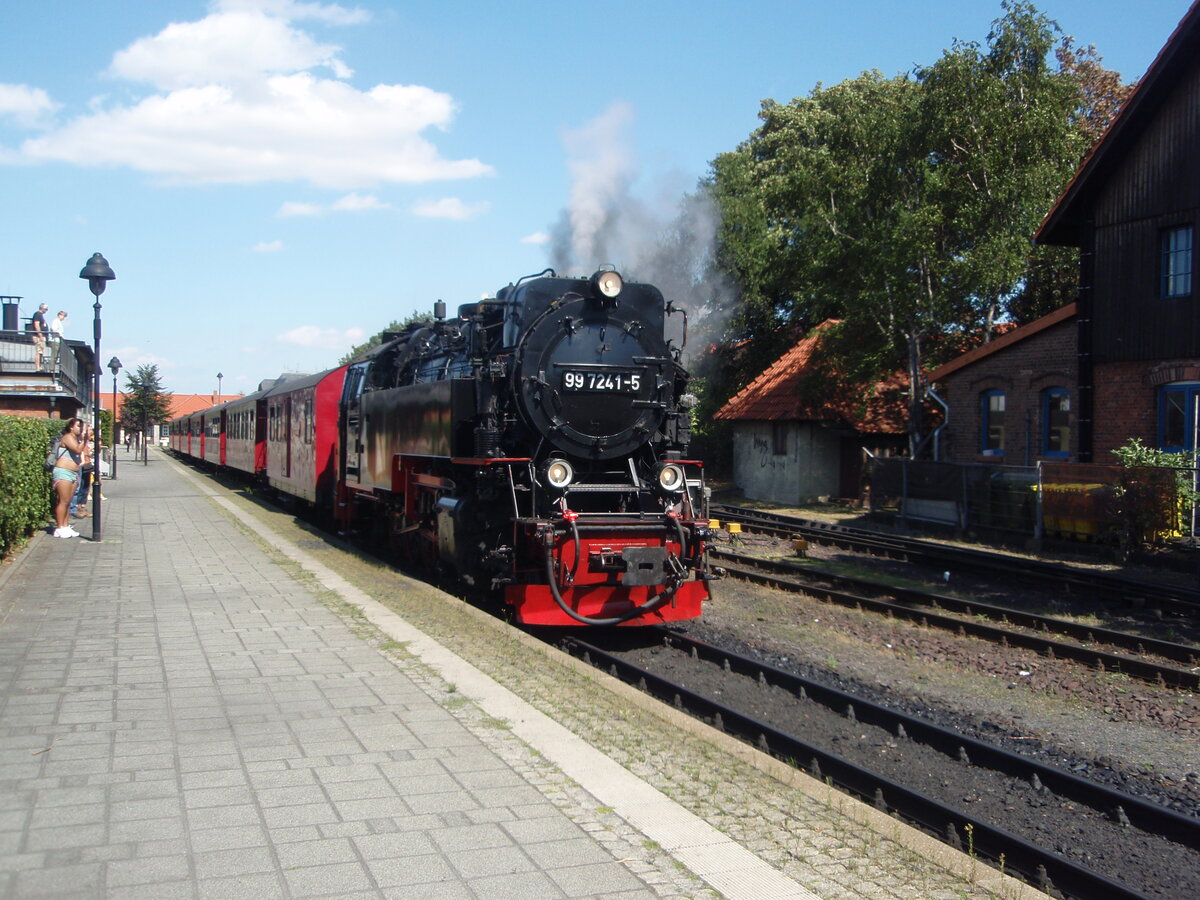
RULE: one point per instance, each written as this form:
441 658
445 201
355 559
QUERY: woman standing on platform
78 508
65 476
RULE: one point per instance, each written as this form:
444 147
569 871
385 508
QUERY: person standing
57 336
39 327
65 477
78 508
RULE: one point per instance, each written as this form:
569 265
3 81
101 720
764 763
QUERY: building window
779 438
1177 417
1056 422
1176 267
992 415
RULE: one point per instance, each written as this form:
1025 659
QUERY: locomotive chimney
439 310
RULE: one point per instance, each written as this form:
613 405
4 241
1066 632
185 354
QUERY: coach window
1177 416
1175 269
992 417
1056 422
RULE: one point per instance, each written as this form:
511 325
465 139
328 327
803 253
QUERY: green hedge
24 481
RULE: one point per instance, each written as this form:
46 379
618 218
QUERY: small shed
800 433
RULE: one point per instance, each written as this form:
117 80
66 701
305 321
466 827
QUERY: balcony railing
18 374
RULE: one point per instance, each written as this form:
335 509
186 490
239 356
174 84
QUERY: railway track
964 617
1033 857
1103 587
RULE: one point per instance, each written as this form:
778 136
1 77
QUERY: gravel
1106 727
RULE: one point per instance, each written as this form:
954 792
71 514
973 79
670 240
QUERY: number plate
604 382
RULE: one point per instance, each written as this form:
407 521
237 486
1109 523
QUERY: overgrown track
1113 814
931 609
1102 587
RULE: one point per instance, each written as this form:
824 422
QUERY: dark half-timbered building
1133 209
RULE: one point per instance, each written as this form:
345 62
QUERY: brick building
1013 400
1133 210
1123 361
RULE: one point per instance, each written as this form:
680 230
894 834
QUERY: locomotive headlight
557 474
608 283
670 477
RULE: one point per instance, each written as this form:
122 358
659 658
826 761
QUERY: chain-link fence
1071 501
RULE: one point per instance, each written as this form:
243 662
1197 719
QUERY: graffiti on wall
764 454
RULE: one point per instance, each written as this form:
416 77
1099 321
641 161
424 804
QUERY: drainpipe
937 432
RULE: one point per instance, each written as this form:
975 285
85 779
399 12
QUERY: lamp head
115 365
97 273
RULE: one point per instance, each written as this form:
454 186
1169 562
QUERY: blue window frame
991 414
1177 416
1175 271
1056 422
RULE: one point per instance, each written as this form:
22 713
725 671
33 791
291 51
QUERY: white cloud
322 338
224 48
348 203
330 13
358 202
287 210
267 247
235 101
131 357
450 208
538 237
26 105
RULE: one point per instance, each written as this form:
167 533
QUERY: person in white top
57 330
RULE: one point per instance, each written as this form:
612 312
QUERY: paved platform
182 716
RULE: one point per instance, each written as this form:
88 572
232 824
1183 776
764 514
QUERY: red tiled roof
776 395
181 404
1005 340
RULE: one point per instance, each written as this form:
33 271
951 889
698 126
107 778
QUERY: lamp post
114 365
219 377
97 274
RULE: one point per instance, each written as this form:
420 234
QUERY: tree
145 400
1002 127
359 351
848 187
906 206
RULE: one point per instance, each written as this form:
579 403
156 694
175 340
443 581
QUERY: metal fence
1072 501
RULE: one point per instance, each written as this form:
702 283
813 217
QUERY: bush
1154 494
24 481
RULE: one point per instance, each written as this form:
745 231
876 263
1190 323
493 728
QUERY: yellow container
734 527
714 523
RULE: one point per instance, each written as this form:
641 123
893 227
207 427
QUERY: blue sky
273 180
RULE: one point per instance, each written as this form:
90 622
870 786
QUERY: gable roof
775 395
1061 314
181 404
1063 224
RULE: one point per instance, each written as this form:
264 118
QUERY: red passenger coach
195 437
302 443
210 429
245 434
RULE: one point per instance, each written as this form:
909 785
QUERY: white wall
808 470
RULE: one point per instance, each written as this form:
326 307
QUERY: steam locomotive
535 446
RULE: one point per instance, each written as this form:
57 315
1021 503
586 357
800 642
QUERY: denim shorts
61 474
